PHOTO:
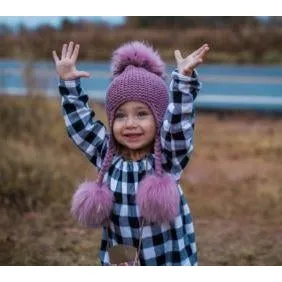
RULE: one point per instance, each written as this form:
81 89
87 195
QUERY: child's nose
131 122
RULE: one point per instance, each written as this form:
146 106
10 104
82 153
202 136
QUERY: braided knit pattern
158 154
106 162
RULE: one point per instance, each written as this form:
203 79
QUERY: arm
177 132
87 133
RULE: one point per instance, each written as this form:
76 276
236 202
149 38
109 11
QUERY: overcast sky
34 21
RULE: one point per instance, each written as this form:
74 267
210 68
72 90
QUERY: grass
233 185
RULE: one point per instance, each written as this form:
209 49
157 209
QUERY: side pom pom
158 199
92 204
137 54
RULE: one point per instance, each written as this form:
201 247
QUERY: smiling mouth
132 136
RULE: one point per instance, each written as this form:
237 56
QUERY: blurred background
233 183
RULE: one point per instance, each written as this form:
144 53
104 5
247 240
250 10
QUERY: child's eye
142 114
119 116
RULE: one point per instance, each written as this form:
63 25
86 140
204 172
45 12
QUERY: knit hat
138 75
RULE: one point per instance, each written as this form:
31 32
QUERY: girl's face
134 127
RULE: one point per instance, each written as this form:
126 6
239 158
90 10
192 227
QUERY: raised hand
186 65
66 66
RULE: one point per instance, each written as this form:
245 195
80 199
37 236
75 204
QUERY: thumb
177 55
82 74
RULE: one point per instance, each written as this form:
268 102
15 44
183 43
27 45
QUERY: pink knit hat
138 75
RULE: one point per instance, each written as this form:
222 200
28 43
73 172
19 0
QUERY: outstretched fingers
203 52
75 53
83 74
64 51
69 50
55 57
198 51
177 55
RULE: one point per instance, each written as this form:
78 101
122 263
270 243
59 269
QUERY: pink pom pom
92 204
158 199
138 54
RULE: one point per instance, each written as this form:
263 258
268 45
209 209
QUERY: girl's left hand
186 65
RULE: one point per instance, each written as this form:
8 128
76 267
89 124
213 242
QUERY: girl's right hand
66 66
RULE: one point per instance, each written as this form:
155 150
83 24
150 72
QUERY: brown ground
233 185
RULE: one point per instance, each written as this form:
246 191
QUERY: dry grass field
233 185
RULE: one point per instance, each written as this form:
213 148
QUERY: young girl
137 198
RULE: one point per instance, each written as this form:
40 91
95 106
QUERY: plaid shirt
166 244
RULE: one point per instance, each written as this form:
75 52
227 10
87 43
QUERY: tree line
232 39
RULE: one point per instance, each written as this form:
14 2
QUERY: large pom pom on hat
158 199
138 54
92 204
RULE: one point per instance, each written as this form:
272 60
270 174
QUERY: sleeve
177 131
87 133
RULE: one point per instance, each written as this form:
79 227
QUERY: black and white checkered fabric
166 244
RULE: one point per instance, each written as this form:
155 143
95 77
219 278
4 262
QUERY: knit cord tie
158 155
106 162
